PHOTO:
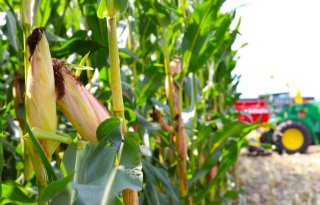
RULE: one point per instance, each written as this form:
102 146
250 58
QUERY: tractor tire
292 136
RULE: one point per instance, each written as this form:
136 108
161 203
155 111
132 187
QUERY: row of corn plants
119 102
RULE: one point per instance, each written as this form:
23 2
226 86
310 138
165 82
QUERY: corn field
119 102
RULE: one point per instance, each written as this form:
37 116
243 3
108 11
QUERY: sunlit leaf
111 8
15 195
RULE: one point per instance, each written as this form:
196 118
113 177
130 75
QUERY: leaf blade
54 188
49 170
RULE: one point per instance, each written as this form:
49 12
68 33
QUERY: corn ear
82 109
40 90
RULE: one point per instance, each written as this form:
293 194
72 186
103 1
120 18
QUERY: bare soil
281 179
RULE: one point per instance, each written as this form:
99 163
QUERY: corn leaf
84 59
54 189
111 8
230 156
108 169
15 194
49 170
1 156
125 53
12 30
155 176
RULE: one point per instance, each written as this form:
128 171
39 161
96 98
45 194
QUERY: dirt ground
281 179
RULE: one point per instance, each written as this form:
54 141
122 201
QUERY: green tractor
297 127
295 122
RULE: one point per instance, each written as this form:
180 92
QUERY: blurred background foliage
194 33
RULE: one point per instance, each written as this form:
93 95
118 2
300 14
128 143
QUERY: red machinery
260 108
252 110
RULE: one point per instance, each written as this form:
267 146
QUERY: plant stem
130 197
131 47
116 88
175 107
194 102
168 72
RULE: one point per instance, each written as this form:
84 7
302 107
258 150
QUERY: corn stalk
26 25
129 196
110 9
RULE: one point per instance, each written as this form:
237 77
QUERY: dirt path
281 179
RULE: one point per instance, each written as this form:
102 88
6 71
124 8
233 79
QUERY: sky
282 54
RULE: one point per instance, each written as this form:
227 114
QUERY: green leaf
54 189
231 194
159 14
149 85
123 52
146 124
229 157
12 30
67 168
79 67
53 37
111 8
75 45
196 35
69 158
44 14
15 195
231 129
1 155
101 9
106 127
84 59
49 170
121 5
157 176
103 174
131 161
165 107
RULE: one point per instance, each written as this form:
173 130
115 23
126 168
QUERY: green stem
116 88
26 24
131 47
165 51
194 124
168 72
130 197
182 170
26 32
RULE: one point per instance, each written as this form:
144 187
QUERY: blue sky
283 53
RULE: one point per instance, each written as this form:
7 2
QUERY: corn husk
82 109
40 90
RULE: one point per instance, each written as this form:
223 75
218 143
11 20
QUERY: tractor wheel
293 137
